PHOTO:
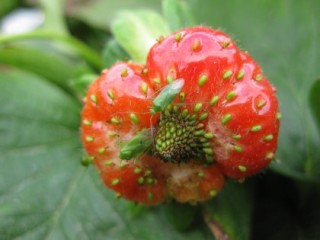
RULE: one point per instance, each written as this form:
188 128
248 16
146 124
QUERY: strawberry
228 90
198 110
116 115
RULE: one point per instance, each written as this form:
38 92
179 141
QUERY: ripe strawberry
227 91
117 116
199 108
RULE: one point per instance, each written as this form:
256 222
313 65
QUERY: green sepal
112 53
80 85
178 14
137 31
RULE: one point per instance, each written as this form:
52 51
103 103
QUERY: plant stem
83 50
214 227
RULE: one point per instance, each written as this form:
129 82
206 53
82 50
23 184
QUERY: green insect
143 140
137 145
167 95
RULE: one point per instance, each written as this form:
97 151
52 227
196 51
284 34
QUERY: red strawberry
228 93
117 115
153 140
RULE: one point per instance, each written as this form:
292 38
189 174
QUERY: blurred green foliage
44 191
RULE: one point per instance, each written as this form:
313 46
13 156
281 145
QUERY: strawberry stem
167 95
140 143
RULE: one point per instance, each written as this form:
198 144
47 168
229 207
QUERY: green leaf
283 36
230 212
315 100
70 42
46 64
45 193
112 53
181 216
177 13
137 31
101 13
6 6
80 84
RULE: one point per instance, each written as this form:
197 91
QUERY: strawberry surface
199 109
109 120
238 101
